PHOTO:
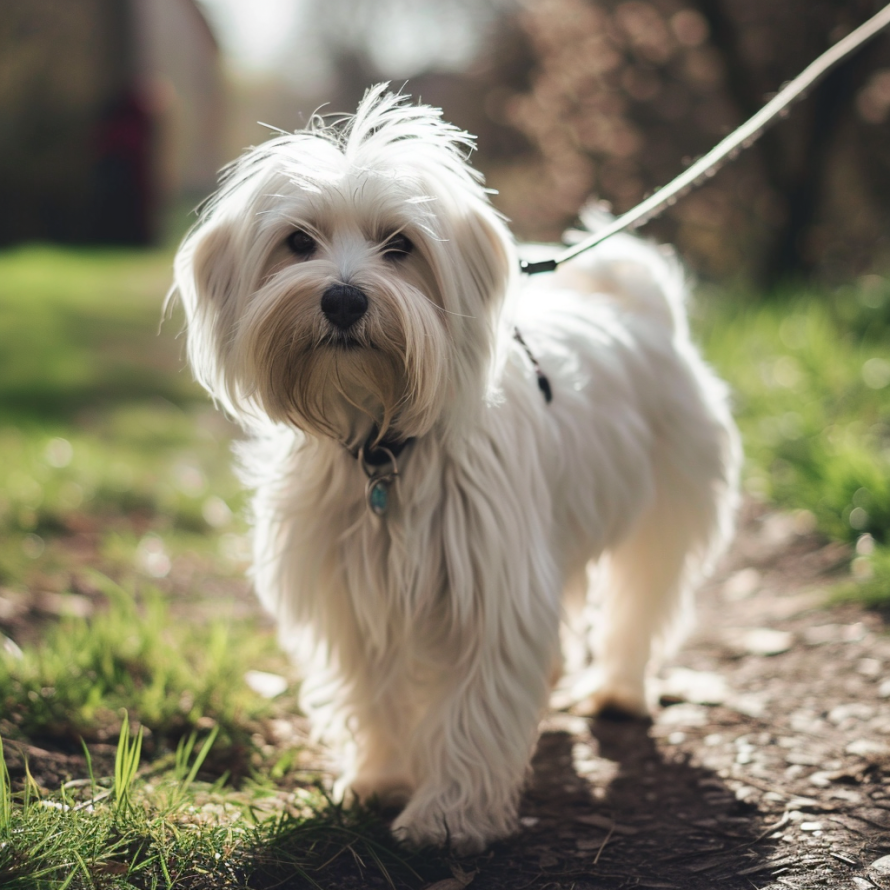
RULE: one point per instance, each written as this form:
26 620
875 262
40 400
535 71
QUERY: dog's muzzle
343 305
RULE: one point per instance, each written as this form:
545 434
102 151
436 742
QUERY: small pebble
869 667
766 641
265 684
741 585
881 866
867 748
698 687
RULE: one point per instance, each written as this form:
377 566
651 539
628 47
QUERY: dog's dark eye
397 247
301 244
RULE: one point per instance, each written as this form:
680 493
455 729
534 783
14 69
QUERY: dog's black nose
343 305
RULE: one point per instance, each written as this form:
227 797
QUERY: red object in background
124 200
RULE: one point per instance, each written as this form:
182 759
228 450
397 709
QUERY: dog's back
647 278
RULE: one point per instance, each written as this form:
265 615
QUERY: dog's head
348 275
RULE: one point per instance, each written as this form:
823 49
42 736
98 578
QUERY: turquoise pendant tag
378 495
380 479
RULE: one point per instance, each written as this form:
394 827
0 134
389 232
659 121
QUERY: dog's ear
487 251
473 261
206 283
473 257
213 264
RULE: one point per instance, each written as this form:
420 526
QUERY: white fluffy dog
440 452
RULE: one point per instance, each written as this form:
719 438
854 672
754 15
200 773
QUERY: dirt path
769 766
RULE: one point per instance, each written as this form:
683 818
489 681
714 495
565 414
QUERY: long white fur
429 638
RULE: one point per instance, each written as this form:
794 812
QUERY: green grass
99 420
810 375
75 680
77 331
163 828
123 550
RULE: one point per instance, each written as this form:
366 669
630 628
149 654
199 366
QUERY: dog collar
378 458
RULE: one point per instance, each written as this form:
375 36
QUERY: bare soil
766 766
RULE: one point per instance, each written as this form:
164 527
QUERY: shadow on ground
605 808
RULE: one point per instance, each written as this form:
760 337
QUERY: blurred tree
580 99
60 64
624 90
107 109
797 157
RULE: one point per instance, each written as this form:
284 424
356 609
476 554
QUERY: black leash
727 149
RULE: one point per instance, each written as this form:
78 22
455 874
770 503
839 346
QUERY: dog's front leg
378 769
472 748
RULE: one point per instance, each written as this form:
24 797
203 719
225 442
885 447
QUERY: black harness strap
543 382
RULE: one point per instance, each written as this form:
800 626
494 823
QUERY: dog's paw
464 832
613 700
389 793
388 799
590 694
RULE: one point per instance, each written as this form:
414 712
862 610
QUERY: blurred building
109 111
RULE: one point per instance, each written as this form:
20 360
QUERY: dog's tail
649 278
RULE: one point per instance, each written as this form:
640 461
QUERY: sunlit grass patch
120 832
152 456
810 376
78 328
172 676
102 431
144 492
144 827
